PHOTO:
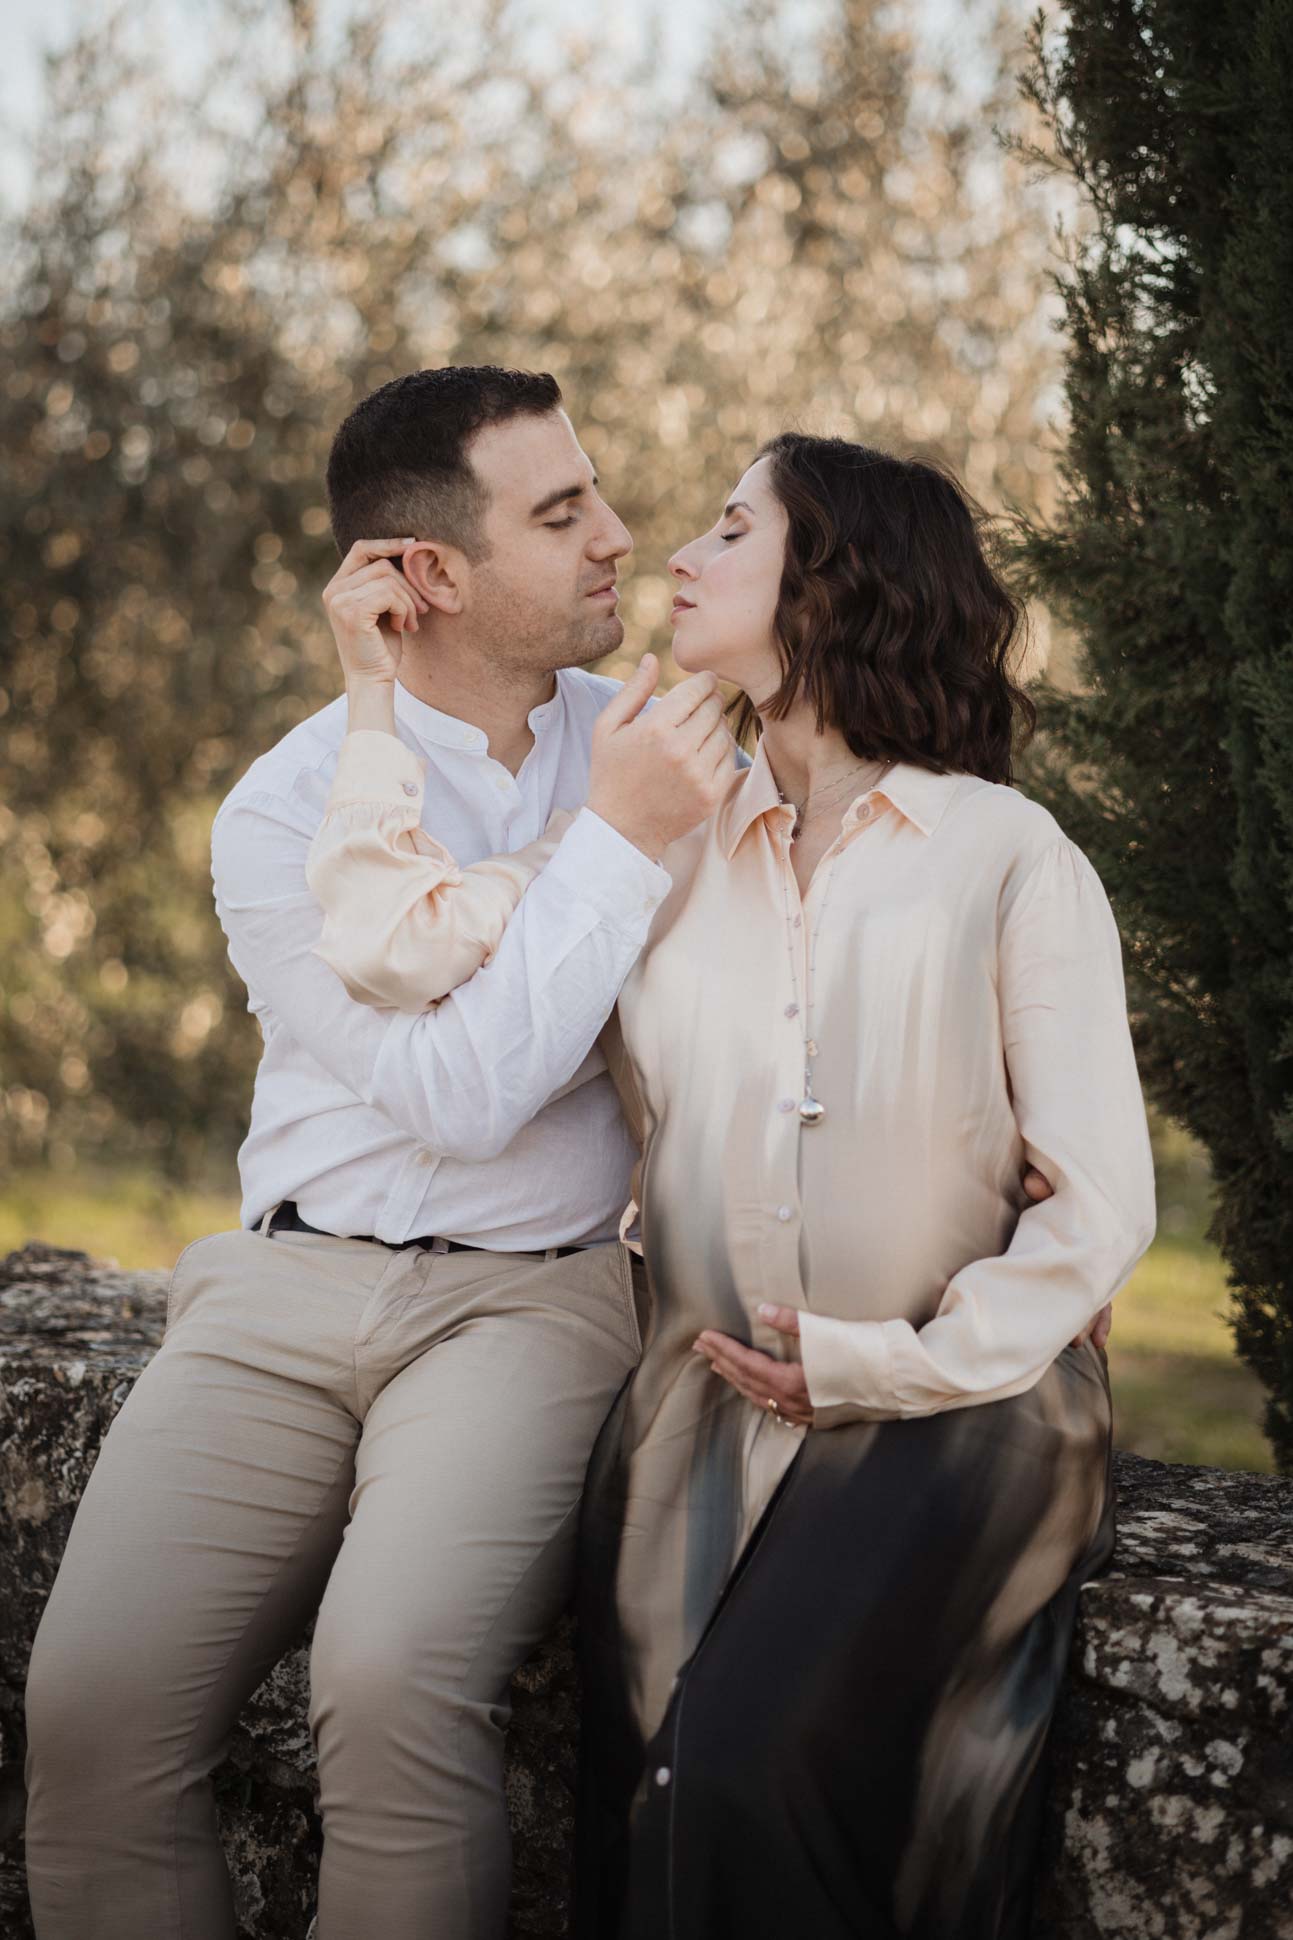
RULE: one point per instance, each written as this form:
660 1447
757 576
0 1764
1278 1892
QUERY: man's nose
615 540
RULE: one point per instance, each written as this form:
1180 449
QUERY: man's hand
761 1377
367 589
1038 1187
655 776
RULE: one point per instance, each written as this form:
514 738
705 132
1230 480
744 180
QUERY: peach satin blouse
969 1013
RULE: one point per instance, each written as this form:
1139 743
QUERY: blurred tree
816 230
1173 554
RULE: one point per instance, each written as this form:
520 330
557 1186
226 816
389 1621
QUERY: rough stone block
1171 1811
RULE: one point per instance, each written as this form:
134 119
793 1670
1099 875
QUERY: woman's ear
437 572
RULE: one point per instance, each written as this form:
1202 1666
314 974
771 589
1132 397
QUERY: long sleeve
1077 1102
463 1077
402 924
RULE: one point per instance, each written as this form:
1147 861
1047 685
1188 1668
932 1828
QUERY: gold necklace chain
811 1109
822 794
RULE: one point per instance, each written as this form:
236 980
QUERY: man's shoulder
302 759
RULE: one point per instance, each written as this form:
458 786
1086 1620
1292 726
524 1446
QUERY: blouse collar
917 793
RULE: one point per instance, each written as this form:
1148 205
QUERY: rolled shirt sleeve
1078 1104
403 924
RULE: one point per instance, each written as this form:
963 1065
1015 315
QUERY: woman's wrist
371 704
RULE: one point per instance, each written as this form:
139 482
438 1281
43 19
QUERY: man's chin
593 642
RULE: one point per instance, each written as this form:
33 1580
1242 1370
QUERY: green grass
1179 1392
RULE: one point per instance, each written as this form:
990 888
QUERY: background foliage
1172 553
807 226
816 229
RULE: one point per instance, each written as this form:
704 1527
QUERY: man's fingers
681 702
1037 1185
634 694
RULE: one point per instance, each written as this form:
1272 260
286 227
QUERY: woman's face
728 581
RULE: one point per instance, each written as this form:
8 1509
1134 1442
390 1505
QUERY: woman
837 1521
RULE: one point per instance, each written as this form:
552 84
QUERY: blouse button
864 814
409 787
785 1104
784 1213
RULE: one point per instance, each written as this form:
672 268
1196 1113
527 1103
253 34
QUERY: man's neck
499 701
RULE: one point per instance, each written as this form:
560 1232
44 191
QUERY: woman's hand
367 589
758 1376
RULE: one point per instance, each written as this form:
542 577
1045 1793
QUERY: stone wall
1172 1794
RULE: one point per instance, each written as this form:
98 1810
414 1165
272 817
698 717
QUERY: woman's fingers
758 1376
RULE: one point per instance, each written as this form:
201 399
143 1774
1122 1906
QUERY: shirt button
501 781
864 814
792 1010
785 1104
663 1776
409 787
426 1158
784 1213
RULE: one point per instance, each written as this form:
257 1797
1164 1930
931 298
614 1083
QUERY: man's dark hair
399 462
891 619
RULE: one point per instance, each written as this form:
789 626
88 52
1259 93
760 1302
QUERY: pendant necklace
811 1109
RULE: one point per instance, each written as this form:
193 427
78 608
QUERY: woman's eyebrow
737 505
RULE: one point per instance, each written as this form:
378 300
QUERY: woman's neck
804 761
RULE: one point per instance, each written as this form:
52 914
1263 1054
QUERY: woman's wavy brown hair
891 620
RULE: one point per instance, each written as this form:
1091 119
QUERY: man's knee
85 1700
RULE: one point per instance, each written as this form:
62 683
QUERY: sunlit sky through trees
684 27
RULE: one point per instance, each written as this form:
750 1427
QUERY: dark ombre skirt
855 1748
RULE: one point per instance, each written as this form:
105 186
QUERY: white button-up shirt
489 1118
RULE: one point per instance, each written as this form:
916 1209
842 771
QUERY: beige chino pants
396 1439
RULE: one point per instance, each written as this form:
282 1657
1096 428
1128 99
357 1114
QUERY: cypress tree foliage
1172 555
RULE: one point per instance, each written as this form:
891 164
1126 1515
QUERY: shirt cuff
377 767
608 872
849 1369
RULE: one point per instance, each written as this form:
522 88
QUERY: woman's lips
680 607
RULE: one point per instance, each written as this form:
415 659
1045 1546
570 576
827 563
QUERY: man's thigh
459 1554
213 1514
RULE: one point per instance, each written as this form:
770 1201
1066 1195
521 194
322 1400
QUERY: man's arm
464 1078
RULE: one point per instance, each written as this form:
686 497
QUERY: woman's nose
680 566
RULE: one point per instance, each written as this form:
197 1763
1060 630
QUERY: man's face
545 595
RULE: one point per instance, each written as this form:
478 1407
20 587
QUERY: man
377 1398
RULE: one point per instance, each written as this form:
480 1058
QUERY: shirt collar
917 793
447 731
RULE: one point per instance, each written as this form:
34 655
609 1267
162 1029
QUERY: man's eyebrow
737 505
559 498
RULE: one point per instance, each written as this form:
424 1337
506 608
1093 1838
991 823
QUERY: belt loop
439 1244
552 1253
264 1224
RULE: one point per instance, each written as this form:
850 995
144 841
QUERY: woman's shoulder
1033 854
1025 828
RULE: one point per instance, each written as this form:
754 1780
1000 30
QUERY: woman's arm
402 924
1077 1099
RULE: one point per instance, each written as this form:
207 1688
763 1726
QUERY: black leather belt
286 1218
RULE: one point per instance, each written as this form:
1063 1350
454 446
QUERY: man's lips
605 591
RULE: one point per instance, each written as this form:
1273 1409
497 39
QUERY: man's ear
437 572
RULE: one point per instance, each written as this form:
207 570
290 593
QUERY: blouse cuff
849 1369
377 767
